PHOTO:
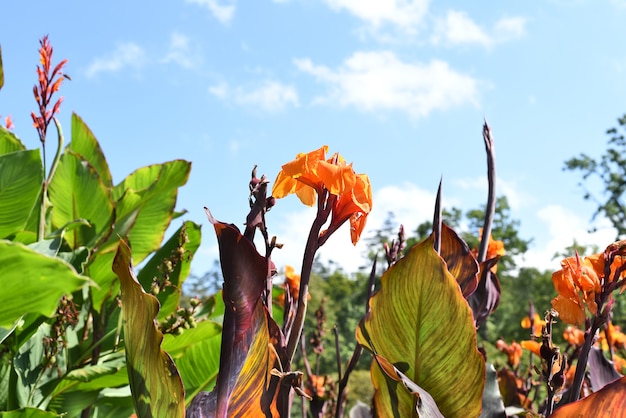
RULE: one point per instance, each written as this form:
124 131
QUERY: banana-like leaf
145 203
459 259
601 370
250 341
32 282
9 142
172 263
425 405
21 176
28 413
85 144
155 383
76 191
605 403
421 323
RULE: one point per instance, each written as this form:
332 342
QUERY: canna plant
63 349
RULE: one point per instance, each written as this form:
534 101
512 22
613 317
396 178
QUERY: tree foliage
610 170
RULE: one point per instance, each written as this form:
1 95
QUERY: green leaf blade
421 323
85 143
156 385
77 192
32 282
21 176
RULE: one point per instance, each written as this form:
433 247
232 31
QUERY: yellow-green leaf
421 323
154 380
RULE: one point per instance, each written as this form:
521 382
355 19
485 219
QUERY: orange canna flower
532 346
577 284
513 351
574 336
310 174
538 324
8 122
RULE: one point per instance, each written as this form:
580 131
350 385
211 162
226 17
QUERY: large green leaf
32 282
21 176
35 379
145 204
85 143
172 264
199 366
420 322
9 142
77 192
154 380
28 413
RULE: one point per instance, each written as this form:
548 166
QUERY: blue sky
398 87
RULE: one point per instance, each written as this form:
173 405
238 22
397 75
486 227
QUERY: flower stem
312 245
46 182
583 357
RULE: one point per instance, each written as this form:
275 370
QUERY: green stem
44 192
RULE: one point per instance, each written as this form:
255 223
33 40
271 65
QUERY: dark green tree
610 170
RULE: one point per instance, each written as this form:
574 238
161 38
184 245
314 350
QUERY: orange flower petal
533 346
571 311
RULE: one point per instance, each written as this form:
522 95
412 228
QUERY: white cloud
223 13
373 81
563 226
404 14
179 52
125 55
270 96
510 28
457 28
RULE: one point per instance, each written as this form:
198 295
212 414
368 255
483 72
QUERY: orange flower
292 282
538 324
8 123
533 346
309 175
513 351
495 248
577 284
574 336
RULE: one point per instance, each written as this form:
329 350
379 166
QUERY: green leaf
196 353
21 176
176 345
32 282
172 263
35 380
420 322
199 366
9 142
28 413
145 204
85 143
154 380
77 191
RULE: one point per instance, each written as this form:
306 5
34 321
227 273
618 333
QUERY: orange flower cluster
311 174
495 248
574 336
577 284
513 352
538 324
